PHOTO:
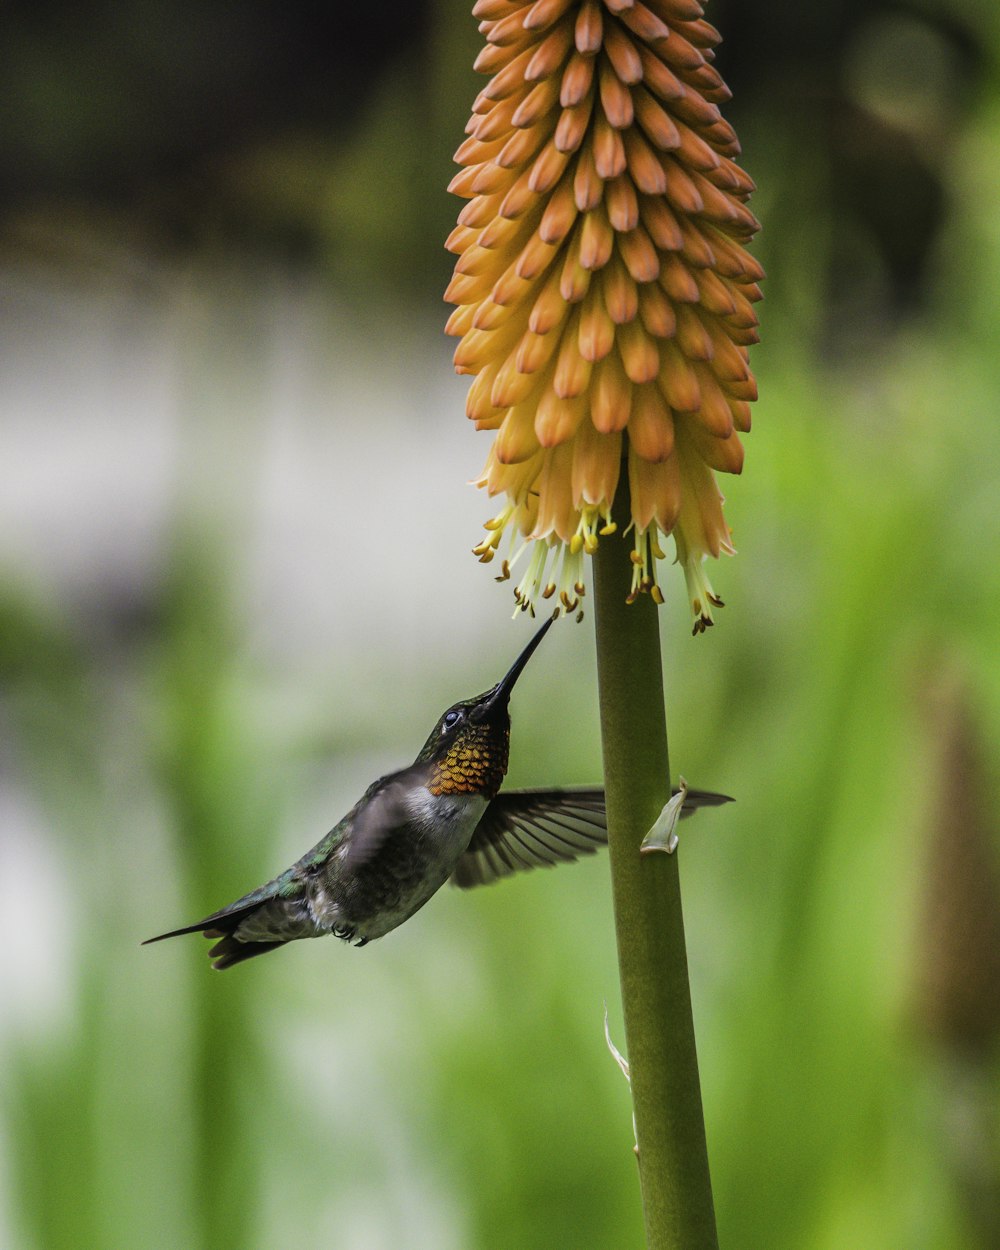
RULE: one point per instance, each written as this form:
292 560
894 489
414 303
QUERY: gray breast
411 866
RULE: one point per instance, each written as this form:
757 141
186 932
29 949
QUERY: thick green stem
652 958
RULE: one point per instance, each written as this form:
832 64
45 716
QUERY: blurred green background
234 533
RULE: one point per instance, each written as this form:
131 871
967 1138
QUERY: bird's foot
663 835
345 932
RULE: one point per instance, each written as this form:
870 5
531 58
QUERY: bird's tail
223 924
231 951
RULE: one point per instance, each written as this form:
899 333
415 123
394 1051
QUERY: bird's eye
451 720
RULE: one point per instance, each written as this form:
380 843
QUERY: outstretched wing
524 829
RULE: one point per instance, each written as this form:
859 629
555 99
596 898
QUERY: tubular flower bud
604 294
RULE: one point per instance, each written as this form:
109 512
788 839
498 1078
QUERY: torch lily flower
603 294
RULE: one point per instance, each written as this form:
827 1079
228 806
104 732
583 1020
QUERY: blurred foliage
449 1087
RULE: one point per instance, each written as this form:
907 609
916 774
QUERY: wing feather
524 829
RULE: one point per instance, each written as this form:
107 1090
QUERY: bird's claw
663 835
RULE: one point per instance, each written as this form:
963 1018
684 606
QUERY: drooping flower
604 298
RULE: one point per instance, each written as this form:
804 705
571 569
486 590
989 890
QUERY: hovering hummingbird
443 817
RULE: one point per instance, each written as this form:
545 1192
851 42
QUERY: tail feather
222 924
217 924
232 951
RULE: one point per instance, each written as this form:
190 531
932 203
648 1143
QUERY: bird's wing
383 810
524 829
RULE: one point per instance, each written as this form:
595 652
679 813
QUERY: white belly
450 820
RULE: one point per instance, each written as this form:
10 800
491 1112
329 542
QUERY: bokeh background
235 586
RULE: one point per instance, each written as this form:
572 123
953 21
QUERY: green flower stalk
604 296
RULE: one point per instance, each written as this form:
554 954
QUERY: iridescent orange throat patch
476 763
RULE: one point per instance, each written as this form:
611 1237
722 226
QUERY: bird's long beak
500 693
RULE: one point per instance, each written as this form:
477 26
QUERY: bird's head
469 745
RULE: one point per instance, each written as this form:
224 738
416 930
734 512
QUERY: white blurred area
316 446
326 442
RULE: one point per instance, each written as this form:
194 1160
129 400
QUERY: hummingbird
444 817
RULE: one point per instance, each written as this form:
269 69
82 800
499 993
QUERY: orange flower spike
604 292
